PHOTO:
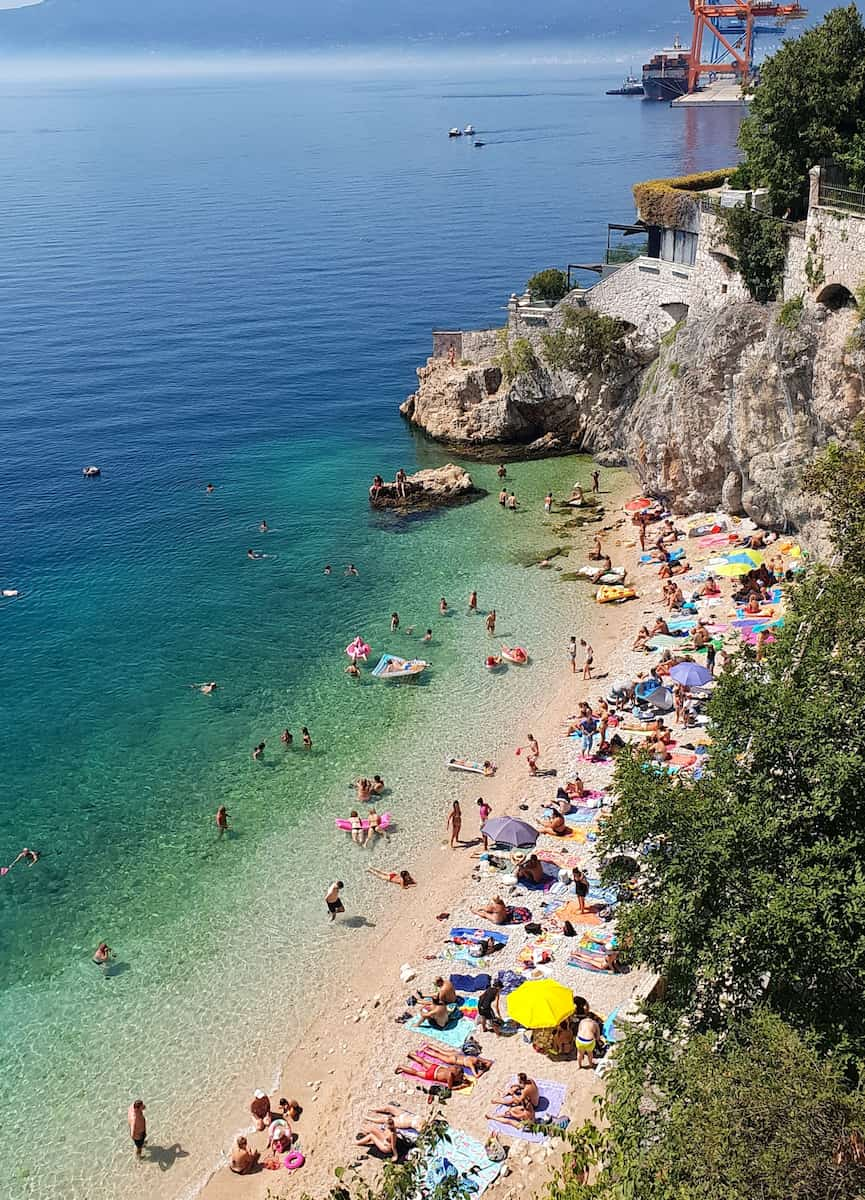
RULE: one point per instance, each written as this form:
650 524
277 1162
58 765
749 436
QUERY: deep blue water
233 281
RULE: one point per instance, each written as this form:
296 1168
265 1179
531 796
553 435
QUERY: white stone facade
648 293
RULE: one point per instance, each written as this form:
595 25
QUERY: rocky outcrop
438 487
737 405
725 411
543 411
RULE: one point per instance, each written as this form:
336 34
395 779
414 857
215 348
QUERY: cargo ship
665 75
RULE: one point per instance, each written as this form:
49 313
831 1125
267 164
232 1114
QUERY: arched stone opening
676 310
835 296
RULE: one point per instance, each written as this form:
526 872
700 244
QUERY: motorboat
469 131
455 132
391 666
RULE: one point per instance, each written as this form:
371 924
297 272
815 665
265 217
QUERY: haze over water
233 280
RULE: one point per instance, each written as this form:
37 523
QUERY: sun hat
259 1094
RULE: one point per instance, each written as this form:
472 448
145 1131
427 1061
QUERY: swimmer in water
258 751
427 637
327 569
210 489
307 740
352 670
102 954
206 689
394 622
286 737
473 602
221 820
351 569
443 606
32 857
263 528
254 554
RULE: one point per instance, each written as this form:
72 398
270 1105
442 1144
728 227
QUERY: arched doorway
835 296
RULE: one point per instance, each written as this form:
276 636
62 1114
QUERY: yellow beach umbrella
729 570
540 1004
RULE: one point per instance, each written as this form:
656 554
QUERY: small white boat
469 131
455 132
91 472
391 666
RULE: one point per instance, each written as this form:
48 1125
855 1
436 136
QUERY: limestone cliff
725 411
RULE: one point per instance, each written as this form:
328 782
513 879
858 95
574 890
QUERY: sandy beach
345 1059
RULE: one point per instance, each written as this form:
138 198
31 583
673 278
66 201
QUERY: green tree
756 1114
809 105
550 285
751 887
586 341
760 246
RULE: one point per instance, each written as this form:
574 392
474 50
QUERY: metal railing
851 199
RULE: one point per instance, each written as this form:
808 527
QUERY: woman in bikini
451 1076
400 877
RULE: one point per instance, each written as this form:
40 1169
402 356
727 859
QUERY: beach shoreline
328 1066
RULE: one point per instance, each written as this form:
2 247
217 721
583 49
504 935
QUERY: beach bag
533 928
568 929
470 1046
496 1151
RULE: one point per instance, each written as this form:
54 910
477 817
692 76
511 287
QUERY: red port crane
731 26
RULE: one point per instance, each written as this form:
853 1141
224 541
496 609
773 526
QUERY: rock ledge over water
438 487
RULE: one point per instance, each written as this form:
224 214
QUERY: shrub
791 311
550 285
515 358
586 341
670 202
760 246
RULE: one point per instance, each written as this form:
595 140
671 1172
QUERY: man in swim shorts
137 1125
333 901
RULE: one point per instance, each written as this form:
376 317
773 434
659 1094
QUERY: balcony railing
850 199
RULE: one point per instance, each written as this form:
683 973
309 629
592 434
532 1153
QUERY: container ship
665 75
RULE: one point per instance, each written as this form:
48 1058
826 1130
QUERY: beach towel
458 1154
470 983
509 980
552 1097
590 962
461 933
453 1035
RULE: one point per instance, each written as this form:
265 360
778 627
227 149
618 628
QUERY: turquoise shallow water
235 281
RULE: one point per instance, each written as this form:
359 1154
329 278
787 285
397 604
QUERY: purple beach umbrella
509 831
661 698
691 675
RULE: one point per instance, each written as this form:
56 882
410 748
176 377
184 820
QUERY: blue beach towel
477 935
453 1035
471 983
458 1154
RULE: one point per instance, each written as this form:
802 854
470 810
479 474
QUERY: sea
231 280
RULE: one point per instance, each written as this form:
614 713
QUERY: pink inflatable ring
293 1160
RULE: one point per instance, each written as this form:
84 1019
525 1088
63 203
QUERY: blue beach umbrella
509 831
691 674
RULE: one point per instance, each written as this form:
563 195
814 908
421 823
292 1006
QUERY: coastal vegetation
514 358
746 1078
672 203
809 106
550 285
586 341
790 312
759 243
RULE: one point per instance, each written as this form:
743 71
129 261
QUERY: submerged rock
435 487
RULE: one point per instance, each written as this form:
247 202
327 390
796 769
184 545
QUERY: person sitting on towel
555 826
496 911
532 870
445 992
435 1014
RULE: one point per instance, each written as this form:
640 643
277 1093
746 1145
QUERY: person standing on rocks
400 480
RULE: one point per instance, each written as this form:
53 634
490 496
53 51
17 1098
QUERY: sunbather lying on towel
450 1075
475 1063
402 1118
384 1139
496 911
